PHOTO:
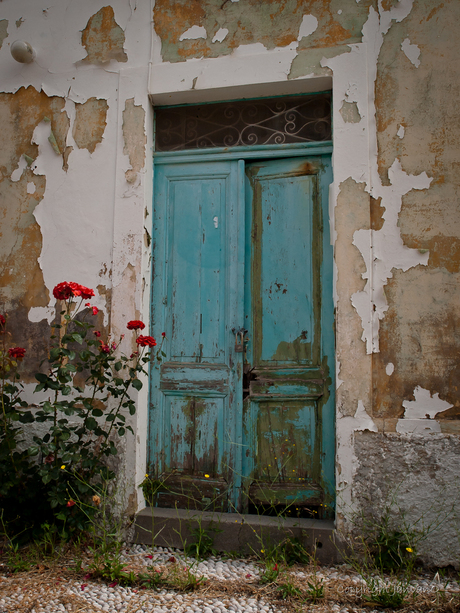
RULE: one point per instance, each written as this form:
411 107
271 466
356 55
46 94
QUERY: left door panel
197 296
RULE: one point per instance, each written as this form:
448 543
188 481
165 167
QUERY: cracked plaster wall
76 188
64 197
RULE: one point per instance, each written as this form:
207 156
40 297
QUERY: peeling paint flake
425 406
103 38
390 368
412 52
350 112
134 138
220 35
308 26
194 33
90 123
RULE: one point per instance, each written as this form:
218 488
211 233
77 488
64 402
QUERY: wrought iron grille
277 121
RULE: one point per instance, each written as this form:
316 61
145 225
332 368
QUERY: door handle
239 339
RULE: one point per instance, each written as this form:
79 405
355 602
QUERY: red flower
95 310
135 324
62 291
16 352
113 584
2 320
80 290
97 333
163 334
104 348
65 290
146 341
71 503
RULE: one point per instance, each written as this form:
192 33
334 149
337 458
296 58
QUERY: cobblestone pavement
223 586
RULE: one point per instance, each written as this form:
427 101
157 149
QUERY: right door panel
288 421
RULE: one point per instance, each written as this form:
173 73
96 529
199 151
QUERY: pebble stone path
90 596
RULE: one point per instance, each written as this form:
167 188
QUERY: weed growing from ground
203 545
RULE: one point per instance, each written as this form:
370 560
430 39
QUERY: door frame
243 154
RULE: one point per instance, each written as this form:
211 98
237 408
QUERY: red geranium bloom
62 291
136 324
163 334
104 348
80 290
96 333
65 290
146 341
2 320
95 310
71 503
16 352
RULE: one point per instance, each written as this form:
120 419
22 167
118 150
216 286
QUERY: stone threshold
239 534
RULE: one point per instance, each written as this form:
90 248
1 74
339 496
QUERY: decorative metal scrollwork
296 119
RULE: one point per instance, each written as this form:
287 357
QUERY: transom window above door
276 121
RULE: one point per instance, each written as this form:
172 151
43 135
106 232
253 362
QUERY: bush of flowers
85 396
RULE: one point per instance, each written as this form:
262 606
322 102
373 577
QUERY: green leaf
54 353
91 423
137 384
77 337
118 366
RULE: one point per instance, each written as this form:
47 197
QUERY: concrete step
232 532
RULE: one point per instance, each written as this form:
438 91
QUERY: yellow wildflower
409 549
207 476
63 467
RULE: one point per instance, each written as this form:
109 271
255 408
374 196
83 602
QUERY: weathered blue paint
239 244
289 409
197 300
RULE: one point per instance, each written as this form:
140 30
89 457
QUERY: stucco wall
76 184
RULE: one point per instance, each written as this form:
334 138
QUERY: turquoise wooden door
289 365
243 245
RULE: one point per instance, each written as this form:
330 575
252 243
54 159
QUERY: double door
242 408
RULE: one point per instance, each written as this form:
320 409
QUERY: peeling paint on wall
134 138
389 251
103 38
90 122
271 23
